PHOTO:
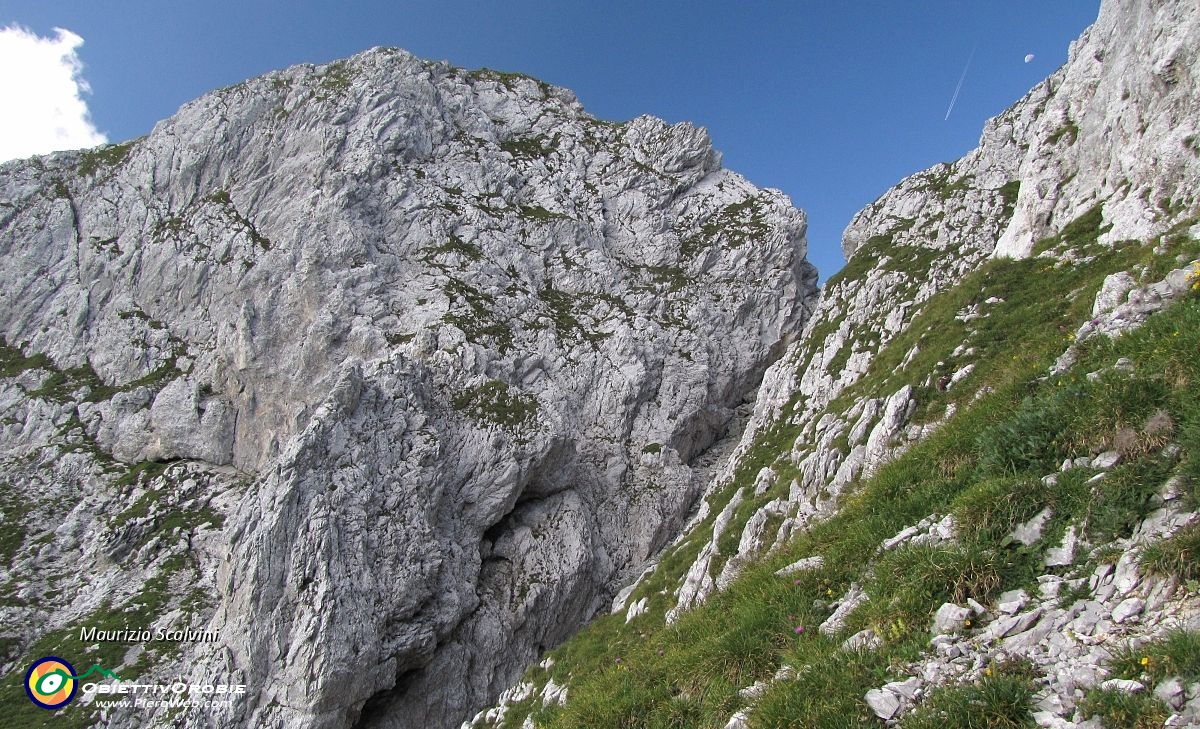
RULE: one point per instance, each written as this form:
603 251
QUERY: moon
1029 58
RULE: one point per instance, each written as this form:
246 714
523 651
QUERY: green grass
984 466
456 246
14 362
883 253
14 508
945 185
1177 555
562 307
337 77
1000 700
1176 654
62 385
539 214
1041 305
1119 710
673 278
509 79
478 322
1080 232
1009 192
171 226
60 189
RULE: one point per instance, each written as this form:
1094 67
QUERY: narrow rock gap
377 708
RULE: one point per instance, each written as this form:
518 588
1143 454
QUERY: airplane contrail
961 78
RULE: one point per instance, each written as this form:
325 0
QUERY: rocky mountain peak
408 362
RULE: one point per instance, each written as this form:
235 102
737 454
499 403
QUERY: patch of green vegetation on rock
882 252
171 225
495 403
221 198
1009 192
736 224
396 339
477 322
93 160
337 77
142 473
861 261
673 277
509 79
60 189
1080 233
814 341
156 503
539 213
14 362
838 362
1068 129
945 184
562 307
537 146
454 246
62 385
14 507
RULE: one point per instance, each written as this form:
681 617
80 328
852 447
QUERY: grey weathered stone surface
949 618
432 350
848 603
1110 125
864 640
884 704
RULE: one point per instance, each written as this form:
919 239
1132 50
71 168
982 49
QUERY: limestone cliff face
1119 124
1115 132
387 371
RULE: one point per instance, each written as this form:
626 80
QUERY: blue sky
830 101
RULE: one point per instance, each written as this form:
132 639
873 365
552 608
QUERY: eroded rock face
1118 125
441 344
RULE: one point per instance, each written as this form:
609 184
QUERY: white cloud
41 94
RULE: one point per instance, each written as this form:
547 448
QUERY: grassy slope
984 466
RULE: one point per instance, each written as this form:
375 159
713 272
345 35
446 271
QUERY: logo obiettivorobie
51 682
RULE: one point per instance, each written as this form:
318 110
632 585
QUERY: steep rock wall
386 371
